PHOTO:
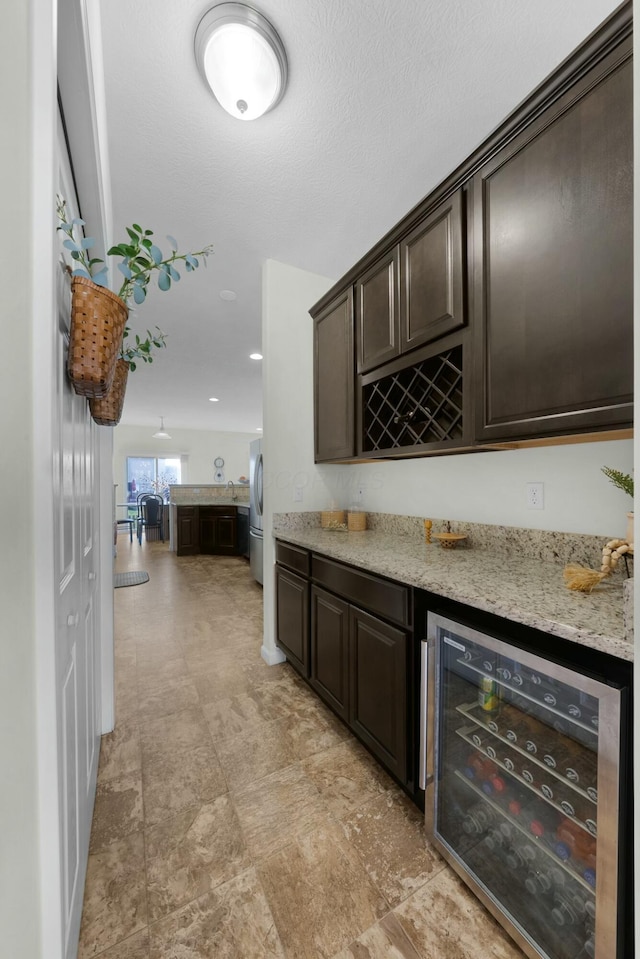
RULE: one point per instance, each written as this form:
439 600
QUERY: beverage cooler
526 764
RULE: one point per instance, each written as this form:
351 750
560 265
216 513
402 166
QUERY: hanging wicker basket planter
98 319
107 410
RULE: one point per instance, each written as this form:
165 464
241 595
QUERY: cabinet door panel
187 520
226 535
378 694
377 305
329 668
292 618
432 276
333 380
554 267
207 533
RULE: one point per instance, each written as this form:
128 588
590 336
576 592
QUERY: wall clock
219 473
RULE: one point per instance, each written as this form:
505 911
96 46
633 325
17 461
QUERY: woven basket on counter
107 410
356 521
98 319
330 518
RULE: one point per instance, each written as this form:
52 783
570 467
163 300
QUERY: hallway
235 817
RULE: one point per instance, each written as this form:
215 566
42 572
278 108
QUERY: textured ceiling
385 98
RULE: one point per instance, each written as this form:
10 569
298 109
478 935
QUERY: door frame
76 23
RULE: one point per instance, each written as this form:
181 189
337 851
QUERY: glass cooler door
523 799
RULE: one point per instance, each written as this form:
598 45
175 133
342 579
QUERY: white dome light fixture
242 59
162 433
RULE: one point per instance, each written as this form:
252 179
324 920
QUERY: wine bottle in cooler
479 768
544 879
574 843
574 762
499 837
582 769
521 854
514 725
580 808
589 947
571 906
488 698
535 776
479 818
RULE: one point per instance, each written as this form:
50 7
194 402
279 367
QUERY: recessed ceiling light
214 399
258 429
228 295
255 356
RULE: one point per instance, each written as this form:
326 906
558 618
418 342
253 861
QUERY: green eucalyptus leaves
140 258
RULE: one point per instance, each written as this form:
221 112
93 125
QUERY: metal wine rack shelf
535 841
472 711
466 735
417 405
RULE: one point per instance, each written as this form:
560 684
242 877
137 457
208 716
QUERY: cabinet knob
92 576
73 619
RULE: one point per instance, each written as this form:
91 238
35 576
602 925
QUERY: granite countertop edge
526 591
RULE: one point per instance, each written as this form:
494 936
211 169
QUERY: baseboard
272 656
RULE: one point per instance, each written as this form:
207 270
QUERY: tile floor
235 817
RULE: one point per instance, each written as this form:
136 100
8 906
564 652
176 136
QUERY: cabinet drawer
370 592
293 557
213 512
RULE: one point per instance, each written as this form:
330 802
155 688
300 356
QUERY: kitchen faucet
231 484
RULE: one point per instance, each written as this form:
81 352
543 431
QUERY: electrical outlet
535 495
297 494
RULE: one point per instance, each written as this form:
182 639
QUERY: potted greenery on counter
98 316
623 481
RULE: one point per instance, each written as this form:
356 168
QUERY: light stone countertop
523 590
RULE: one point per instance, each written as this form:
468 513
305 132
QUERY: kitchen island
204 519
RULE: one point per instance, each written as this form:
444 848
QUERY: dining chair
150 514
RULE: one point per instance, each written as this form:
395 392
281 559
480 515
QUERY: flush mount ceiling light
255 356
214 399
242 59
162 433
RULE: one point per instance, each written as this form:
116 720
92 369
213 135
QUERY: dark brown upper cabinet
553 270
431 274
499 310
334 412
378 312
414 293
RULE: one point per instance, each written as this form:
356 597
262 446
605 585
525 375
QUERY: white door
76 508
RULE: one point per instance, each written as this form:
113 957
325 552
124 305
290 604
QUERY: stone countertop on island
523 590
216 495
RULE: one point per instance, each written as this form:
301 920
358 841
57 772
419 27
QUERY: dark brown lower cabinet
329 672
218 530
206 529
292 618
360 664
378 688
188 530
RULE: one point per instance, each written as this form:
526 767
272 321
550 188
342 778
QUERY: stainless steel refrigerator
526 759
255 509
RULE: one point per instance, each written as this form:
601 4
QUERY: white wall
19 882
491 487
198 449
287 377
478 487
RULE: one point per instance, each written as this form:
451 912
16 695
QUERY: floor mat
134 578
